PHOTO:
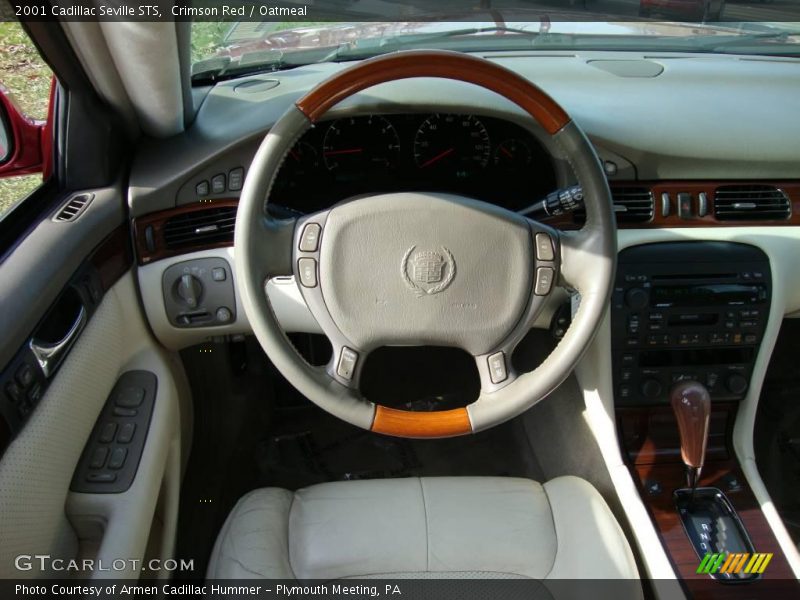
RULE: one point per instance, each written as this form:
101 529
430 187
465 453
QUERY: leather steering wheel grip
263 247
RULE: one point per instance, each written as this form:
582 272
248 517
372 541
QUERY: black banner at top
315 11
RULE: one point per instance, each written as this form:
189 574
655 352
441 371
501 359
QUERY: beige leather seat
485 527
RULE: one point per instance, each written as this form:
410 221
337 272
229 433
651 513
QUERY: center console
687 321
687 310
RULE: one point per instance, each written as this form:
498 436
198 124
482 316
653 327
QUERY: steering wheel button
497 367
544 281
544 247
347 363
307 268
309 240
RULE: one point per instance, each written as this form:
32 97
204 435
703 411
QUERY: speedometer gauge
451 141
360 143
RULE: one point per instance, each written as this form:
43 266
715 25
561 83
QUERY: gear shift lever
692 405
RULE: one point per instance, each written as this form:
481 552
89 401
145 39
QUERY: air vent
631 205
73 208
751 203
200 228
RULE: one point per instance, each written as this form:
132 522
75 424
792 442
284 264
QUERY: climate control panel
687 310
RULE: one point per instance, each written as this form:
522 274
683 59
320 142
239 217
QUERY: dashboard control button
736 384
202 188
107 433
651 388
665 204
636 298
218 274
497 367
544 247
628 360
544 281
189 290
702 204
99 458
307 268
685 205
118 457
236 179
347 363
218 184
309 239
126 433
224 314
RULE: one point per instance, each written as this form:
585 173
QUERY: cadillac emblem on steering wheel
428 272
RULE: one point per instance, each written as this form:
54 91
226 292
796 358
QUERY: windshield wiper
750 39
212 70
379 45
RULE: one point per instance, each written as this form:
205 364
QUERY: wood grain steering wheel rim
587 264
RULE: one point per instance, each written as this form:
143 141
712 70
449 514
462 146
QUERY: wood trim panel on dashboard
659 221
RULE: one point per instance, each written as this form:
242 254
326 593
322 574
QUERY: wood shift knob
692 406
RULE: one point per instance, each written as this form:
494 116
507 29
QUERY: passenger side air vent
632 204
200 228
751 203
73 208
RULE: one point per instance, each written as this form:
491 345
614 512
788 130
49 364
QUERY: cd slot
701 276
685 319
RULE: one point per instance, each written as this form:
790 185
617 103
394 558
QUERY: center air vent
632 204
201 227
751 203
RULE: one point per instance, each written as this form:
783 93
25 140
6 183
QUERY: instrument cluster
481 157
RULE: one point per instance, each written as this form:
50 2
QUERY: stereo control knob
651 388
636 298
189 290
736 384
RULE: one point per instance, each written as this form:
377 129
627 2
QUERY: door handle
49 356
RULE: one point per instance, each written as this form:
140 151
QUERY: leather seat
479 527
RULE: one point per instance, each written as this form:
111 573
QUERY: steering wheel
419 268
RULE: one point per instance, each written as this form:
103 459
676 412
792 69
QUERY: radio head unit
687 310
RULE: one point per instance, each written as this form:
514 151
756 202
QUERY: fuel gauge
512 154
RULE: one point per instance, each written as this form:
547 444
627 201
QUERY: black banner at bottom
400 589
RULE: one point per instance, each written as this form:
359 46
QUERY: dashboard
485 158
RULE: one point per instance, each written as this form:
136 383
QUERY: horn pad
425 269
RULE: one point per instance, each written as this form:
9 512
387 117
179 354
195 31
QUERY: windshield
229 48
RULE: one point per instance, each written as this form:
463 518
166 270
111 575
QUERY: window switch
130 397
126 433
107 433
118 457
13 392
24 375
99 458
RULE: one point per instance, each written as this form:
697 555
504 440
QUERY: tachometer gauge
360 143
451 141
512 154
